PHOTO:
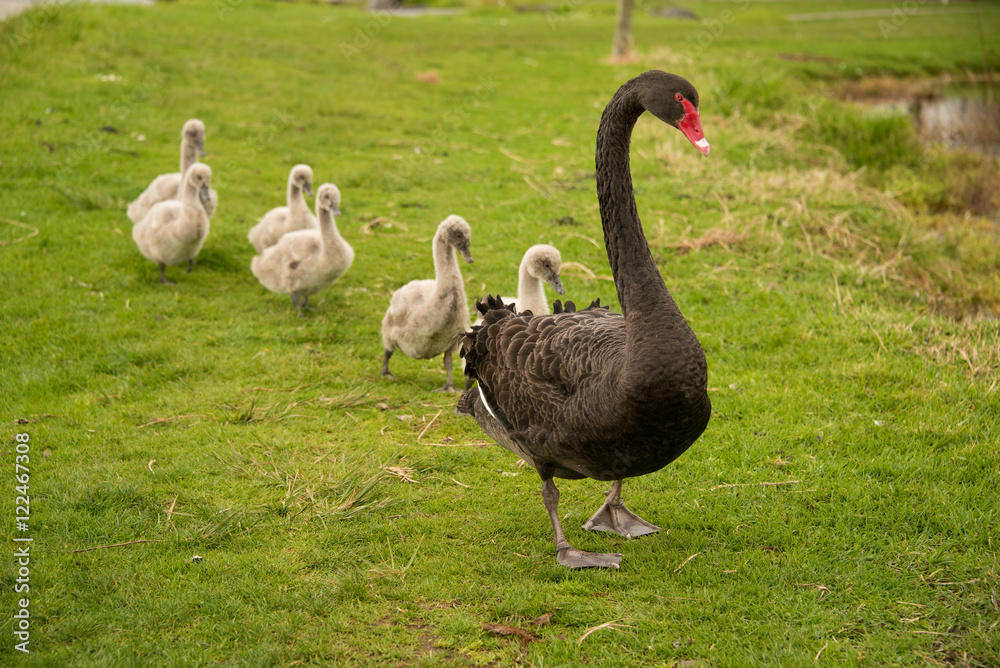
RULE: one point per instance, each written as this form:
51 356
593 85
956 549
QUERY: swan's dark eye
678 97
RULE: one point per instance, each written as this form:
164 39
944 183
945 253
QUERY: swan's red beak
690 125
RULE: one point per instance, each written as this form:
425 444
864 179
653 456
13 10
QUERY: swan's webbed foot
306 305
614 517
163 276
566 554
449 387
570 557
620 520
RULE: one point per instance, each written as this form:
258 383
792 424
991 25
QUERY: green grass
841 508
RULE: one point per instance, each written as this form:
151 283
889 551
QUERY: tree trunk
383 5
622 46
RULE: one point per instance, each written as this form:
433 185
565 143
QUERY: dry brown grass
944 261
714 237
974 343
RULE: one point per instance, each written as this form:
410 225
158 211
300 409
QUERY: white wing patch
487 404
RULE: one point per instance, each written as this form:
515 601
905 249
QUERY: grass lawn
841 508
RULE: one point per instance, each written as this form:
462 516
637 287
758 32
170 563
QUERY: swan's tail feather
466 405
473 346
570 307
490 303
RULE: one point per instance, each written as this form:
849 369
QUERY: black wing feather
533 370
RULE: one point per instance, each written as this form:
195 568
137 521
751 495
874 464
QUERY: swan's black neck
663 369
637 279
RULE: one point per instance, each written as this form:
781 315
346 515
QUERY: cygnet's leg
566 554
385 365
614 517
305 304
295 300
163 276
190 265
449 386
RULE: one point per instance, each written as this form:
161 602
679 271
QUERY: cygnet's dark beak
205 193
464 250
199 148
335 209
556 283
308 188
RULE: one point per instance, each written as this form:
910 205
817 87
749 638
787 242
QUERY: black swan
591 393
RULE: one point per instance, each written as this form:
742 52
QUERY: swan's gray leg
295 300
163 276
385 364
305 304
449 386
614 517
190 265
566 554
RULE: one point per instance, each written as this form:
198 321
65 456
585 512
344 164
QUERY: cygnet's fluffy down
304 262
173 231
426 317
168 186
541 264
281 220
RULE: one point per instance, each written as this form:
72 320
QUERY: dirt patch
897 89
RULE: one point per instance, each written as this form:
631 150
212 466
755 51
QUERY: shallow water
955 121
